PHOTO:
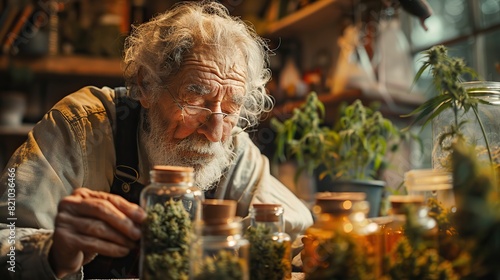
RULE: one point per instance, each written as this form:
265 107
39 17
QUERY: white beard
209 159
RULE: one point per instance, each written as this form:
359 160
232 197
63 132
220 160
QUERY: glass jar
172 205
342 243
433 184
410 239
401 207
270 246
436 186
219 251
489 114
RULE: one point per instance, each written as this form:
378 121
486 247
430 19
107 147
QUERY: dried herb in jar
267 257
222 266
343 256
167 234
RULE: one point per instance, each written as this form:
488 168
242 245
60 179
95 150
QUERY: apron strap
125 184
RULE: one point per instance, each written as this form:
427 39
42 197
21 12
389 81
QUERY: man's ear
144 102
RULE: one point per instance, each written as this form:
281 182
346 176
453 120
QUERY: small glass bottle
172 205
220 251
402 208
411 229
270 246
342 243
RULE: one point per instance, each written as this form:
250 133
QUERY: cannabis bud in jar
270 246
220 251
173 205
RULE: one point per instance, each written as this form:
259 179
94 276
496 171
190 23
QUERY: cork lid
217 211
171 174
399 201
266 212
337 202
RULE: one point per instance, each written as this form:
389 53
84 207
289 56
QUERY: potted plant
348 155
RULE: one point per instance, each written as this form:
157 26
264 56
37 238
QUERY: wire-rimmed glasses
195 116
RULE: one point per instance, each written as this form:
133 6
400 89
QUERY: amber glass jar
172 205
270 245
342 243
219 251
402 208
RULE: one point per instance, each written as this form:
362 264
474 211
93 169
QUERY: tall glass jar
270 245
342 243
488 110
220 250
172 205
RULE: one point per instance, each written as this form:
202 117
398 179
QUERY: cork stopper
266 212
398 202
171 174
336 202
217 212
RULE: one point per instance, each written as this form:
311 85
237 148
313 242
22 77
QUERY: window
469 28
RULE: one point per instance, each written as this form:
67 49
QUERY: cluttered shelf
67 65
313 16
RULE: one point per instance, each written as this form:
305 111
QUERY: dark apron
127 161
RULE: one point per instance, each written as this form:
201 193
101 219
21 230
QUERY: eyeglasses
195 116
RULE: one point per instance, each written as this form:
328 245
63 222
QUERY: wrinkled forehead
207 70
228 62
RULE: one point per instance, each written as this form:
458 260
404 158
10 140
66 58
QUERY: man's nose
213 128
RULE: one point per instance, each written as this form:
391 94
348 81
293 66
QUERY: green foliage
224 265
478 211
167 236
447 73
415 255
268 260
303 135
411 263
364 138
354 148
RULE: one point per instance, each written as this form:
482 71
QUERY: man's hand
90 223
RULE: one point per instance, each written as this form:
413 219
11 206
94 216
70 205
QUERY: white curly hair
155 50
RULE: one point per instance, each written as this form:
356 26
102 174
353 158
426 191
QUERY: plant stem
474 109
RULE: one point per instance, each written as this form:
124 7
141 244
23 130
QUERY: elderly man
195 81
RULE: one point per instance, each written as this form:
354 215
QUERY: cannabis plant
354 148
447 75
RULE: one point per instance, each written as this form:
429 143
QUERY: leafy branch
354 148
447 73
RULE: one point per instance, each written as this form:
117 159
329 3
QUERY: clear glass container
220 251
431 184
172 205
342 243
270 245
489 115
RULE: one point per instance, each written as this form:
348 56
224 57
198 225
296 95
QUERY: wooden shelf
313 16
77 65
